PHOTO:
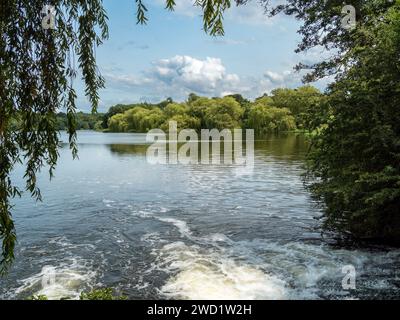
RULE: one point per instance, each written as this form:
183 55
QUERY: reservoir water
111 219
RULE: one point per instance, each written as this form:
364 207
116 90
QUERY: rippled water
184 231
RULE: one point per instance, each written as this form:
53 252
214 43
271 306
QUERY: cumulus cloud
206 76
280 78
180 75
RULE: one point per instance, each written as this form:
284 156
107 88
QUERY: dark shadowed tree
354 166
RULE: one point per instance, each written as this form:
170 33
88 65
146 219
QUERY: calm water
184 231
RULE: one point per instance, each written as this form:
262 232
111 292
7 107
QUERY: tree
175 109
184 121
118 123
119 108
37 69
239 98
322 28
137 119
265 100
301 102
355 163
266 119
192 97
164 103
222 113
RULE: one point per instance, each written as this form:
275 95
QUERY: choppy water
184 231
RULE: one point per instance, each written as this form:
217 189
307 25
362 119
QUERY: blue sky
171 56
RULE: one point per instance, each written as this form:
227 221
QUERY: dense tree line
284 110
83 121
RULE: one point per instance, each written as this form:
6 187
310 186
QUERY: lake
184 231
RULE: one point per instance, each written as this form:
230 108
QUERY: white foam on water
56 282
313 271
217 237
180 224
211 275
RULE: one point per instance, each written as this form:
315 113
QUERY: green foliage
302 102
239 98
354 167
164 103
101 294
192 97
84 121
97 294
137 119
119 108
213 11
266 114
184 121
200 113
38 297
264 119
176 109
118 123
223 113
322 28
37 69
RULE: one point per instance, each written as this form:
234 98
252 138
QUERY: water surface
184 231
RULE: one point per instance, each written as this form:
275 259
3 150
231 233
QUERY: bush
97 294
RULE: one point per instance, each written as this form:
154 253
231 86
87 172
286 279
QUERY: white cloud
178 76
204 76
126 80
280 78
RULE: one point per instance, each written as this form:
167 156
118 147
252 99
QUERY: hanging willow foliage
37 71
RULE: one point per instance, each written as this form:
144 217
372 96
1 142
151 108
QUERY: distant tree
265 119
164 103
137 119
119 108
223 113
184 121
300 102
175 109
118 123
192 97
265 100
239 98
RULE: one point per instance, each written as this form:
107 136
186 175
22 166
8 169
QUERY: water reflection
288 146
